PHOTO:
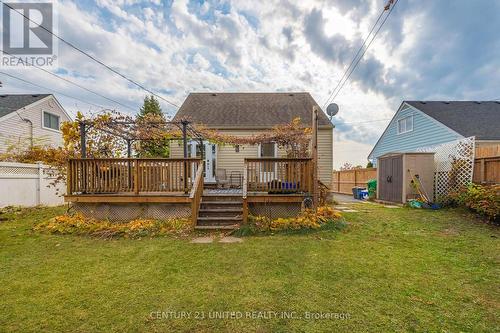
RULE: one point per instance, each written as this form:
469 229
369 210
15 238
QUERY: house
246 114
30 119
266 182
419 124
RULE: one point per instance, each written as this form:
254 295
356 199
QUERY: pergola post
83 139
315 156
184 142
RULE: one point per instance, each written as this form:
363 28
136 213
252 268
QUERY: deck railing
278 175
130 175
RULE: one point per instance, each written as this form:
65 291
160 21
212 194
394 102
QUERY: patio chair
221 178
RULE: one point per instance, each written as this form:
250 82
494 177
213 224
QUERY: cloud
426 50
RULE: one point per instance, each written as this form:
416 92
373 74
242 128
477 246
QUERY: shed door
385 173
397 178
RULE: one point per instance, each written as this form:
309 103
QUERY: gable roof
12 103
249 110
468 118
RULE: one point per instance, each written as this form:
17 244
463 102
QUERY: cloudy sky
427 49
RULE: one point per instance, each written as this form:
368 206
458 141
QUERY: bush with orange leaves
308 219
77 224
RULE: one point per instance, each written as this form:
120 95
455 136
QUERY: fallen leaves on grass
79 225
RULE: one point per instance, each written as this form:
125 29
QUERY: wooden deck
180 181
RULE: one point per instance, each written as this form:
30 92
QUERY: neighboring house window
405 125
50 121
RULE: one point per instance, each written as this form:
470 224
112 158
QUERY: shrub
79 225
484 200
308 219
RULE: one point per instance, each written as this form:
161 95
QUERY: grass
388 270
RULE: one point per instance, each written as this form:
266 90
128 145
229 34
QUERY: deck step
236 203
216 227
220 212
219 218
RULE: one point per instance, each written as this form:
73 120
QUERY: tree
151 112
369 165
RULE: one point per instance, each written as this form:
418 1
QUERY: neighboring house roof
249 110
468 118
12 103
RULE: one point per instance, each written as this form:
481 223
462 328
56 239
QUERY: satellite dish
332 109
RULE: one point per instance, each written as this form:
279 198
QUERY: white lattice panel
454 165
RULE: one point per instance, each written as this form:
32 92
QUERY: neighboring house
246 114
30 118
419 124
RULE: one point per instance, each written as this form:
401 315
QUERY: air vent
3 96
497 102
290 94
477 102
446 102
214 94
423 103
35 95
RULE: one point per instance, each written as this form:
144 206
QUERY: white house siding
229 159
13 129
426 132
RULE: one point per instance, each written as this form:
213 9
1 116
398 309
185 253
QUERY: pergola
128 131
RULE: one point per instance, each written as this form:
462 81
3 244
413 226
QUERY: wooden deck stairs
220 211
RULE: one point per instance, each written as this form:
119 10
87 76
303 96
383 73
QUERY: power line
93 58
367 47
57 92
364 122
75 84
352 61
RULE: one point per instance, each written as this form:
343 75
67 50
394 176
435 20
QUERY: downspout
31 128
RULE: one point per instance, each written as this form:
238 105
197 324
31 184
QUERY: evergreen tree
155 148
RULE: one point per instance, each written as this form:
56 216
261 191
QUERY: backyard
388 270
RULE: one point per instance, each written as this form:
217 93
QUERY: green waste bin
372 188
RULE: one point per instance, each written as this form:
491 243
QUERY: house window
268 149
405 125
50 121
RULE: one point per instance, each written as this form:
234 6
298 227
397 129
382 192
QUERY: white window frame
48 128
405 119
259 152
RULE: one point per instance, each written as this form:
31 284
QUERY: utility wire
76 84
353 59
363 122
393 2
57 92
94 59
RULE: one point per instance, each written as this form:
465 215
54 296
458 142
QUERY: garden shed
396 172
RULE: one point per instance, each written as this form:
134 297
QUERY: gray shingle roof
468 118
12 103
247 110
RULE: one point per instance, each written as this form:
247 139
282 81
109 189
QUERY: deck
180 182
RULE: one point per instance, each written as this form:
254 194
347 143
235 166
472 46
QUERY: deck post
244 190
136 177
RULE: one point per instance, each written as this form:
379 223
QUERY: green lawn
389 270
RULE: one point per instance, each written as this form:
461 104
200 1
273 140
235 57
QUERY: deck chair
221 178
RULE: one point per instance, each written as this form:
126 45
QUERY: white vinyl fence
24 184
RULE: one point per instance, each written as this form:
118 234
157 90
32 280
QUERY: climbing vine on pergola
293 137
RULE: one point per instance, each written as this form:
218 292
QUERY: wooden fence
344 181
487 165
